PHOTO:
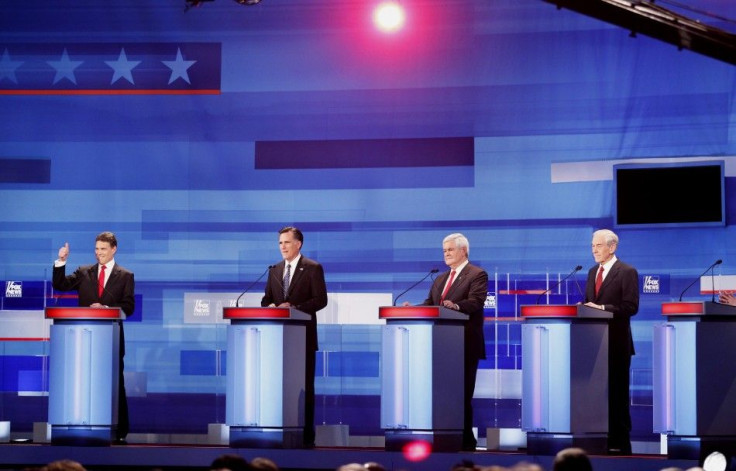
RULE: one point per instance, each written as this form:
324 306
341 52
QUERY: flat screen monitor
678 195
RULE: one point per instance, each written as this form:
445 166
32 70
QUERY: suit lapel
609 278
113 275
297 274
93 269
456 282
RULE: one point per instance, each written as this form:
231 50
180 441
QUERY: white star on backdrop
65 68
179 67
7 67
123 68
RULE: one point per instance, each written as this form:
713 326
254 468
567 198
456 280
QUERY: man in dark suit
299 282
103 284
614 286
464 288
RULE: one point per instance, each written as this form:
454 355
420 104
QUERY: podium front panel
565 376
694 393
83 373
265 375
422 376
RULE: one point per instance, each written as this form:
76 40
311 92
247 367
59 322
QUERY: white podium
564 351
265 377
83 375
422 376
694 379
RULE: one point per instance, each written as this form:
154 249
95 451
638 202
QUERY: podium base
257 437
550 443
697 448
444 441
81 435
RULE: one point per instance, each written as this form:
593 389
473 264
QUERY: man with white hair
463 288
613 286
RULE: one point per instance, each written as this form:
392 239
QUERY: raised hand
64 252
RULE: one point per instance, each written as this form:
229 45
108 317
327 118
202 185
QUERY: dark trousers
471 371
619 416
123 421
311 364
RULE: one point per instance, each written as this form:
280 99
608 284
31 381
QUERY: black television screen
681 194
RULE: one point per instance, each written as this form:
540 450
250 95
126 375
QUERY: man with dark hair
230 462
299 282
572 459
102 284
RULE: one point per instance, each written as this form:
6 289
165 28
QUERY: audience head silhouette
64 465
230 462
263 463
572 459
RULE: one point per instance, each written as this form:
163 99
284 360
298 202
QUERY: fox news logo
490 302
651 284
202 307
13 289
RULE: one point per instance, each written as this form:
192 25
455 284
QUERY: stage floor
149 457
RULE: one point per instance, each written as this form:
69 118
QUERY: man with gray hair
613 286
463 288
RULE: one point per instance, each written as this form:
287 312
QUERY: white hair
460 241
608 235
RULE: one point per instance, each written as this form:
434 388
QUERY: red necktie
599 280
447 288
101 282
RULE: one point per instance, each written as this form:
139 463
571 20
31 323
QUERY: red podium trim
683 308
82 313
408 312
256 313
549 310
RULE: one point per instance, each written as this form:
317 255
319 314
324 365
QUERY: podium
564 350
265 376
694 378
83 375
422 357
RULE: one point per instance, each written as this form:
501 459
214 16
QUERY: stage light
389 16
716 461
248 2
417 450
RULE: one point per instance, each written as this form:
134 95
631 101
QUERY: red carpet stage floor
149 457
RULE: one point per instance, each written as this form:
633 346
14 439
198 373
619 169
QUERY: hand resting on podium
446 303
727 297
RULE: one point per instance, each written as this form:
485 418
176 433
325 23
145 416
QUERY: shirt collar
294 262
108 265
460 267
607 266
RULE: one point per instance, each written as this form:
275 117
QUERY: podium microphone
575 270
237 301
433 270
717 262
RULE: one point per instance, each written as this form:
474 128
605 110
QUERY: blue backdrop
499 119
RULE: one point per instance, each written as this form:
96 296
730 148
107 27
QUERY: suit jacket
307 292
469 292
619 294
119 290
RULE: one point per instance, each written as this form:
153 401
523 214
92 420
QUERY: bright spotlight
389 17
418 450
716 461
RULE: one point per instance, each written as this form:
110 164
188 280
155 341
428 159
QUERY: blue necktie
286 280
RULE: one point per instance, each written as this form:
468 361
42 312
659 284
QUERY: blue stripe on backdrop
177 177
365 153
25 171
